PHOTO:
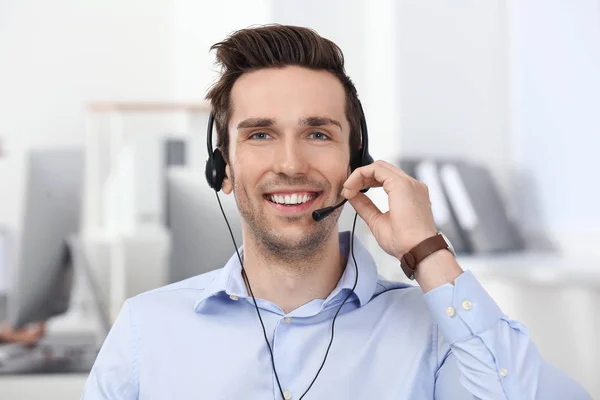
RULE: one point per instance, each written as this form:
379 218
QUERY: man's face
289 144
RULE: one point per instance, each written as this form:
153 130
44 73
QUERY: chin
293 233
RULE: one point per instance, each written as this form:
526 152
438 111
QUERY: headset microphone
321 213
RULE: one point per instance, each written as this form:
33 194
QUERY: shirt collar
230 281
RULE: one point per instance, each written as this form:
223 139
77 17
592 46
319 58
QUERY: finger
365 207
349 191
373 175
412 182
393 168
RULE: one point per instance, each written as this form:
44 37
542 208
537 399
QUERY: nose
290 158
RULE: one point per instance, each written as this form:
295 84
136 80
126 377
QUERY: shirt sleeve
114 374
489 355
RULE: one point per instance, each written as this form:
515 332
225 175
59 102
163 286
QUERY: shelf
538 268
527 267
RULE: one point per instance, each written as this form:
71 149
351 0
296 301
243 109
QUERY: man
287 121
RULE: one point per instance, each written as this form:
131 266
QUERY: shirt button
287 395
450 311
466 305
287 320
234 297
503 372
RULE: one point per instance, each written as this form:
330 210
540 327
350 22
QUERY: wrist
409 261
437 269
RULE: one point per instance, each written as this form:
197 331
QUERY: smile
291 202
291 199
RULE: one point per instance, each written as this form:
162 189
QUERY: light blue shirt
201 339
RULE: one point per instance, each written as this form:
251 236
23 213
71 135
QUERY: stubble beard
274 245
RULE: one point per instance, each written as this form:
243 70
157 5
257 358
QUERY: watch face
450 247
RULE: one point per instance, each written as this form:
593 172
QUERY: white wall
57 56
197 25
555 103
453 81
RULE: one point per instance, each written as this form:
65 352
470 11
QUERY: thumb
365 207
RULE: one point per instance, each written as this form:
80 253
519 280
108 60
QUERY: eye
319 136
260 136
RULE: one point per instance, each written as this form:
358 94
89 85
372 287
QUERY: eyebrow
307 121
256 123
319 121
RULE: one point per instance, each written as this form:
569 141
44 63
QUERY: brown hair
276 46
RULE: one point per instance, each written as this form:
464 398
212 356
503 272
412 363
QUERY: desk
52 386
42 387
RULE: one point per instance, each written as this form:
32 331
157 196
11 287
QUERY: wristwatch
410 261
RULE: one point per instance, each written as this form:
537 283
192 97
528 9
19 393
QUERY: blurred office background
102 150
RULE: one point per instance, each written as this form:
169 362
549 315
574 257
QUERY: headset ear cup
367 160
215 170
208 172
358 160
355 161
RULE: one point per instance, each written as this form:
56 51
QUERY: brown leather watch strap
411 260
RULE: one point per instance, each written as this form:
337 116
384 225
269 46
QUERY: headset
215 174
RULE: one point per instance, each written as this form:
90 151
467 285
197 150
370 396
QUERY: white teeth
274 198
291 199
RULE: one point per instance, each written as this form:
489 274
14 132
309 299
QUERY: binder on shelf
466 205
478 208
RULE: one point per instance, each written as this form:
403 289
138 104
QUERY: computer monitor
200 240
42 274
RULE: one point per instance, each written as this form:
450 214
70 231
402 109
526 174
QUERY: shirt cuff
462 310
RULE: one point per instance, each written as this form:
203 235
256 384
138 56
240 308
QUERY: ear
227 187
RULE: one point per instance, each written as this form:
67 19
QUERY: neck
293 283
